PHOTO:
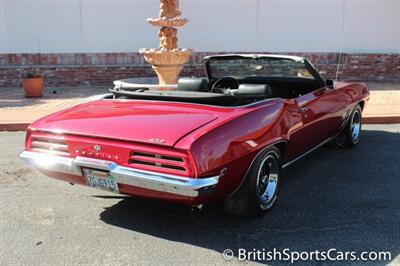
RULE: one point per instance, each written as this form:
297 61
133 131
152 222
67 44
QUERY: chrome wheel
355 126
267 180
260 188
350 136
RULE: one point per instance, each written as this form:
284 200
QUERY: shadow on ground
343 199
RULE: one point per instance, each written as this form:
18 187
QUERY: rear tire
260 189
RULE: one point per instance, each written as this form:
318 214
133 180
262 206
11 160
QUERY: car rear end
120 166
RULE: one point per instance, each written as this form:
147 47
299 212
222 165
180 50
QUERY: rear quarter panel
234 143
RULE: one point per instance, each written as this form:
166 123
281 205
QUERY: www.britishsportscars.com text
296 256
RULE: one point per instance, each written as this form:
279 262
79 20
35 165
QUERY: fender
284 141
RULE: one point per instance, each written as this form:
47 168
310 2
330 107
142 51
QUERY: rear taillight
170 163
51 146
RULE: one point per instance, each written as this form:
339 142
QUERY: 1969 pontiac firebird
225 138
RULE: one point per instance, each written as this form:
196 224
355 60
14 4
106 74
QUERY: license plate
101 180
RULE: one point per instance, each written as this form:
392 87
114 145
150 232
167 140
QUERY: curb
381 120
370 120
14 126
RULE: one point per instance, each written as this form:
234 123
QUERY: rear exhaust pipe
197 207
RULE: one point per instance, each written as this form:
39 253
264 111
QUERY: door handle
304 109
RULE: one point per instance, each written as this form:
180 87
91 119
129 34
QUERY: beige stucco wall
66 26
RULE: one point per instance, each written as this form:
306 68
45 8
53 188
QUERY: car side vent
159 161
50 146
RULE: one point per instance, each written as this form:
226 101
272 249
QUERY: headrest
193 84
253 91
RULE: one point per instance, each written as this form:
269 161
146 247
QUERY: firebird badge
157 141
97 148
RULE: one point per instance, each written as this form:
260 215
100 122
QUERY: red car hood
140 121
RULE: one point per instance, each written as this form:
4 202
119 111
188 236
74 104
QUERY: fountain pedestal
168 60
167 74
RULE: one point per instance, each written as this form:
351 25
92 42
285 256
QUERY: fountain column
168 60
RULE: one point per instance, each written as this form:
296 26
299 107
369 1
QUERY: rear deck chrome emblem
157 141
97 148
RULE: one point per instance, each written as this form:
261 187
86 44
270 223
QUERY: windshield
240 68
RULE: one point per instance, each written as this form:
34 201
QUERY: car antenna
342 40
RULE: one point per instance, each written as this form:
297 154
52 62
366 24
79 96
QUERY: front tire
352 130
260 189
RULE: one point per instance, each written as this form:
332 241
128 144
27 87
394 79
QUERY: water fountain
168 60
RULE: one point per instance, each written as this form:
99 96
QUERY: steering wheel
229 82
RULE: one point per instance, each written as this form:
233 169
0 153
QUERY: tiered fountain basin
168 60
167 63
167 22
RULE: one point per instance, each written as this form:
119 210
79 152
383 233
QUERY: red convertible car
226 137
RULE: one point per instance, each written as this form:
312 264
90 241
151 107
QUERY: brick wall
103 68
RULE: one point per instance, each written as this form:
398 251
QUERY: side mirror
330 84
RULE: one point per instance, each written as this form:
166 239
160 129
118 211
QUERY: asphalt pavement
345 199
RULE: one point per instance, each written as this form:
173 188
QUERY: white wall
68 26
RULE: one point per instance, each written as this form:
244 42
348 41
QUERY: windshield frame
310 68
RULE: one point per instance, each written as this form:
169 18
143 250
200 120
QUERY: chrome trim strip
306 153
49 145
178 185
51 152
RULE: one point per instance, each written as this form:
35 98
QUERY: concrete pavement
344 199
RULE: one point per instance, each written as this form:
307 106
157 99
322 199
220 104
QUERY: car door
320 121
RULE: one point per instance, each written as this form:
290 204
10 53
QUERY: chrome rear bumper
178 185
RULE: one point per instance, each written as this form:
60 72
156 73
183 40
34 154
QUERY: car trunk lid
162 123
